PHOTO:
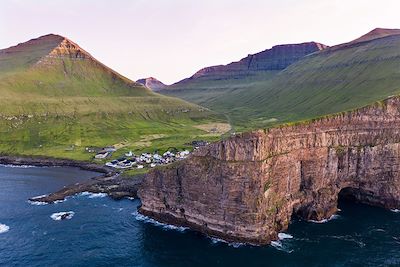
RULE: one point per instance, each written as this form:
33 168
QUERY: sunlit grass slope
56 100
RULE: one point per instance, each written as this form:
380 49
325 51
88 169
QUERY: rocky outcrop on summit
152 83
67 48
275 59
248 187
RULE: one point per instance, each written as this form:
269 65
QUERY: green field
333 80
59 102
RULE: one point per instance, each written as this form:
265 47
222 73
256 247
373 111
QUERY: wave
215 240
38 196
283 236
37 203
18 166
4 228
280 244
333 217
64 215
92 195
396 210
97 195
143 218
277 244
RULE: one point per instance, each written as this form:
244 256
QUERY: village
144 160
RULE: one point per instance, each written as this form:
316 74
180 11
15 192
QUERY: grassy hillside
206 90
336 79
57 100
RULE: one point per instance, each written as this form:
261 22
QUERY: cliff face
277 58
248 187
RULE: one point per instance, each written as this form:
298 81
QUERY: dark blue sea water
104 232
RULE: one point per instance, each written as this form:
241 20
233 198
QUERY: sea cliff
248 187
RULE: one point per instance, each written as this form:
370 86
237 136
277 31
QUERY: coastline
108 181
41 161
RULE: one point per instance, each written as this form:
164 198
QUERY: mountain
55 96
54 65
331 80
277 58
152 83
214 84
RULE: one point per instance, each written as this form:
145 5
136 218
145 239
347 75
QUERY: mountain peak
67 48
376 34
152 83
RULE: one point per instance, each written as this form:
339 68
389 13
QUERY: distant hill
330 80
54 95
152 83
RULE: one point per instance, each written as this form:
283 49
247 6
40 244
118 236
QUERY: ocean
98 231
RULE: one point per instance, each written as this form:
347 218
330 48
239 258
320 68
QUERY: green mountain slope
335 79
57 100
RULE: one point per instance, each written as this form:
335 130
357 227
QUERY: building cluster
130 160
147 160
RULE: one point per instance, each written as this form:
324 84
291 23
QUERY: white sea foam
215 240
38 196
277 244
333 217
17 166
131 198
82 194
4 228
282 236
37 203
280 245
58 216
91 195
141 217
396 210
97 195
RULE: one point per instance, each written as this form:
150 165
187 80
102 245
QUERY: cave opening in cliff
356 195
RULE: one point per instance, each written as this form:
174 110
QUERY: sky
172 39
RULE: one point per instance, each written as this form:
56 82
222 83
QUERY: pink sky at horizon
172 39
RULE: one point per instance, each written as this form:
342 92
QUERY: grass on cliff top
323 83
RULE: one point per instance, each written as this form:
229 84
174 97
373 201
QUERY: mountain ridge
274 59
336 78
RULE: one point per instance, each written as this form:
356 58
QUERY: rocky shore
115 185
53 162
110 182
